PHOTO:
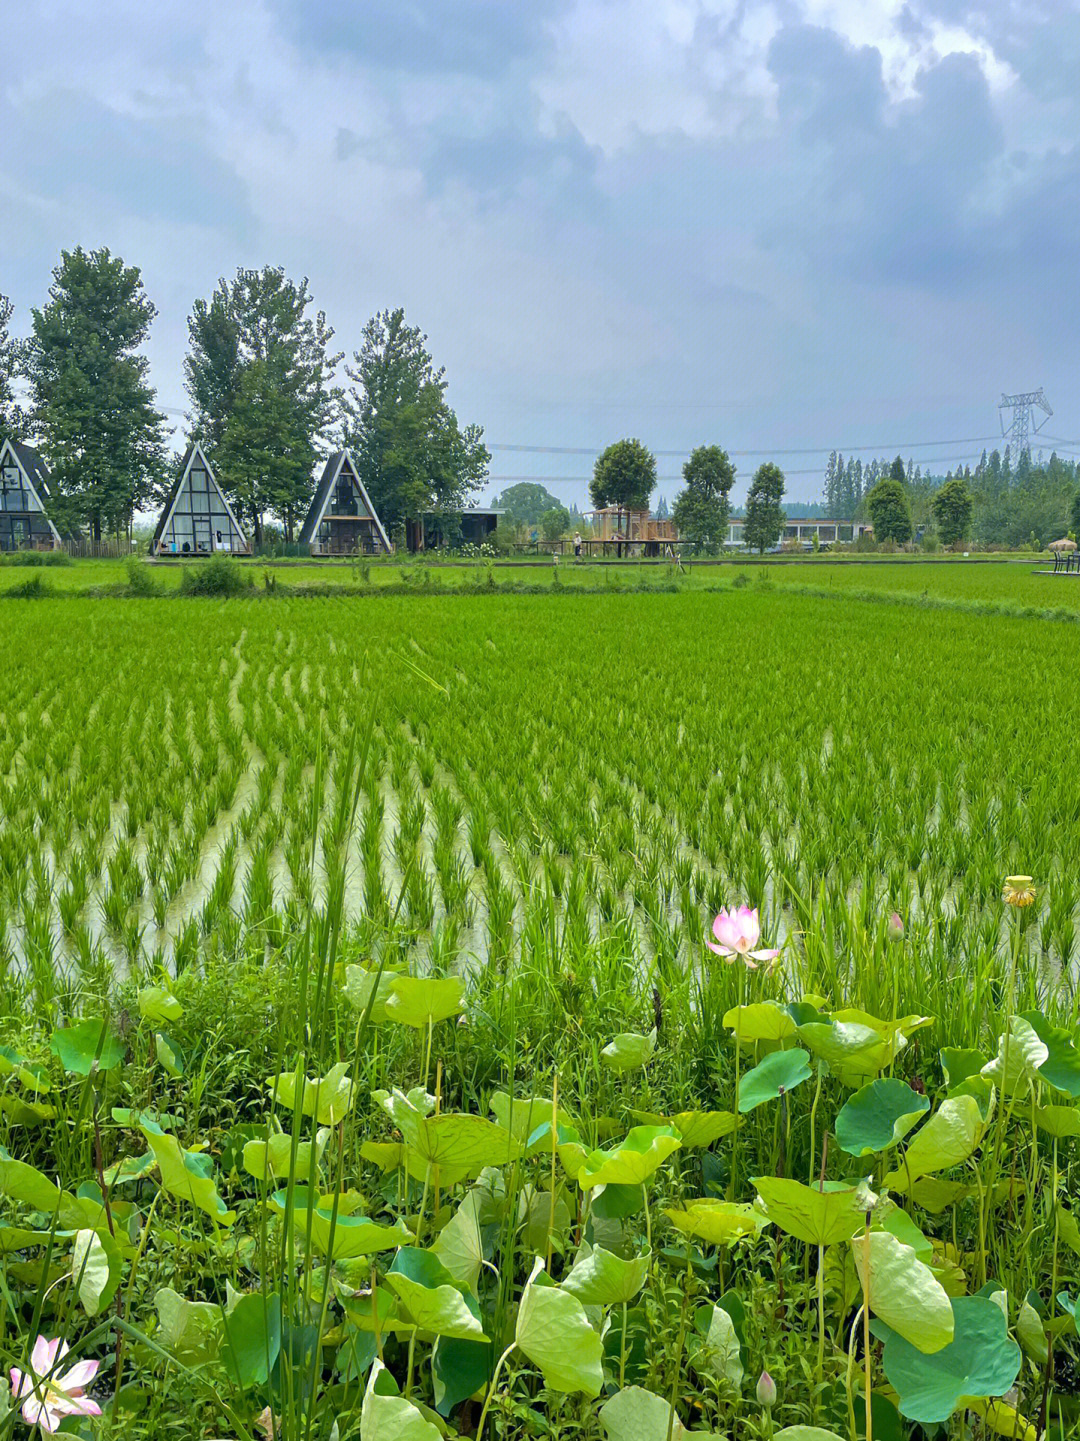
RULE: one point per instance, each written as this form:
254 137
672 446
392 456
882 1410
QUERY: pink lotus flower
737 934
47 1395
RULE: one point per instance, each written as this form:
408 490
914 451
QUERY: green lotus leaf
1068 1229
460 1145
820 1218
359 984
878 1116
599 1278
459 1369
899 1224
629 1051
761 1021
805 1433
1026 1053
1031 1333
274 1158
328 1098
23 1112
352 1235
718 1223
1061 1069
191 1330
634 1414
1003 1419
188 1175
958 1065
948 1137
460 1246
1059 1121
782 1071
554 1333
523 1116
715 1349
170 1056
903 1291
391 1417
430 1297
837 1042
251 1338
31 1074
96 1265
632 1161
420 1001
980 1361
698 1129
158 1006
85 1043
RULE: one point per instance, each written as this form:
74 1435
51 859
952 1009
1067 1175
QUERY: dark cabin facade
24 495
197 519
431 531
342 519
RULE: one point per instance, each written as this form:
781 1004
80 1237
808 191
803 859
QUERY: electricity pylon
1022 426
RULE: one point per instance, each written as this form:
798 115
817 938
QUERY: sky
779 227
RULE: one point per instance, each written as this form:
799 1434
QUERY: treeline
260 375
1029 501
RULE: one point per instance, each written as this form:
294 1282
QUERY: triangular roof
34 472
324 490
194 450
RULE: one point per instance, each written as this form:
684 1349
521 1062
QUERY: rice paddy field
366 1071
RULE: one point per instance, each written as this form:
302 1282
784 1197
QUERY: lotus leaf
554 1333
632 1161
959 1065
459 1245
420 1001
980 1361
328 1098
1026 1053
634 1414
717 1350
158 1006
30 1073
191 1330
1059 1121
820 1218
359 984
761 1021
188 1175
629 1051
86 1044
599 1278
273 1157
947 1138
390 1417
718 1223
780 1072
903 1291
878 1116
251 1338
1061 1069
96 1266
430 1297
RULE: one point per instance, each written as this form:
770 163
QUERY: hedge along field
459 860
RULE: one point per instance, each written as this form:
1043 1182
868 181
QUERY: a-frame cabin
342 519
24 493
196 518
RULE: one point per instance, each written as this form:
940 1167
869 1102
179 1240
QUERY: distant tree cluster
259 373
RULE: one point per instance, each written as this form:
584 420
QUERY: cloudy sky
777 226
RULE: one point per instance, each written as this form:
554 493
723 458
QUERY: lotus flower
737 933
766 1391
894 927
1018 891
48 1395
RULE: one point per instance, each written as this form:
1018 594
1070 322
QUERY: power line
584 479
763 450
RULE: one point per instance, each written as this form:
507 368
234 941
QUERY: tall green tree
11 365
889 509
702 511
410 451
764 523
259 372
525 502
624 476
554 522
92 407
952 506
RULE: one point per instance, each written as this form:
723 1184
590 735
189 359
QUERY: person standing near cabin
577 545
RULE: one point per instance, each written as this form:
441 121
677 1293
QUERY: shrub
36 557
220 575
32 589
139 579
